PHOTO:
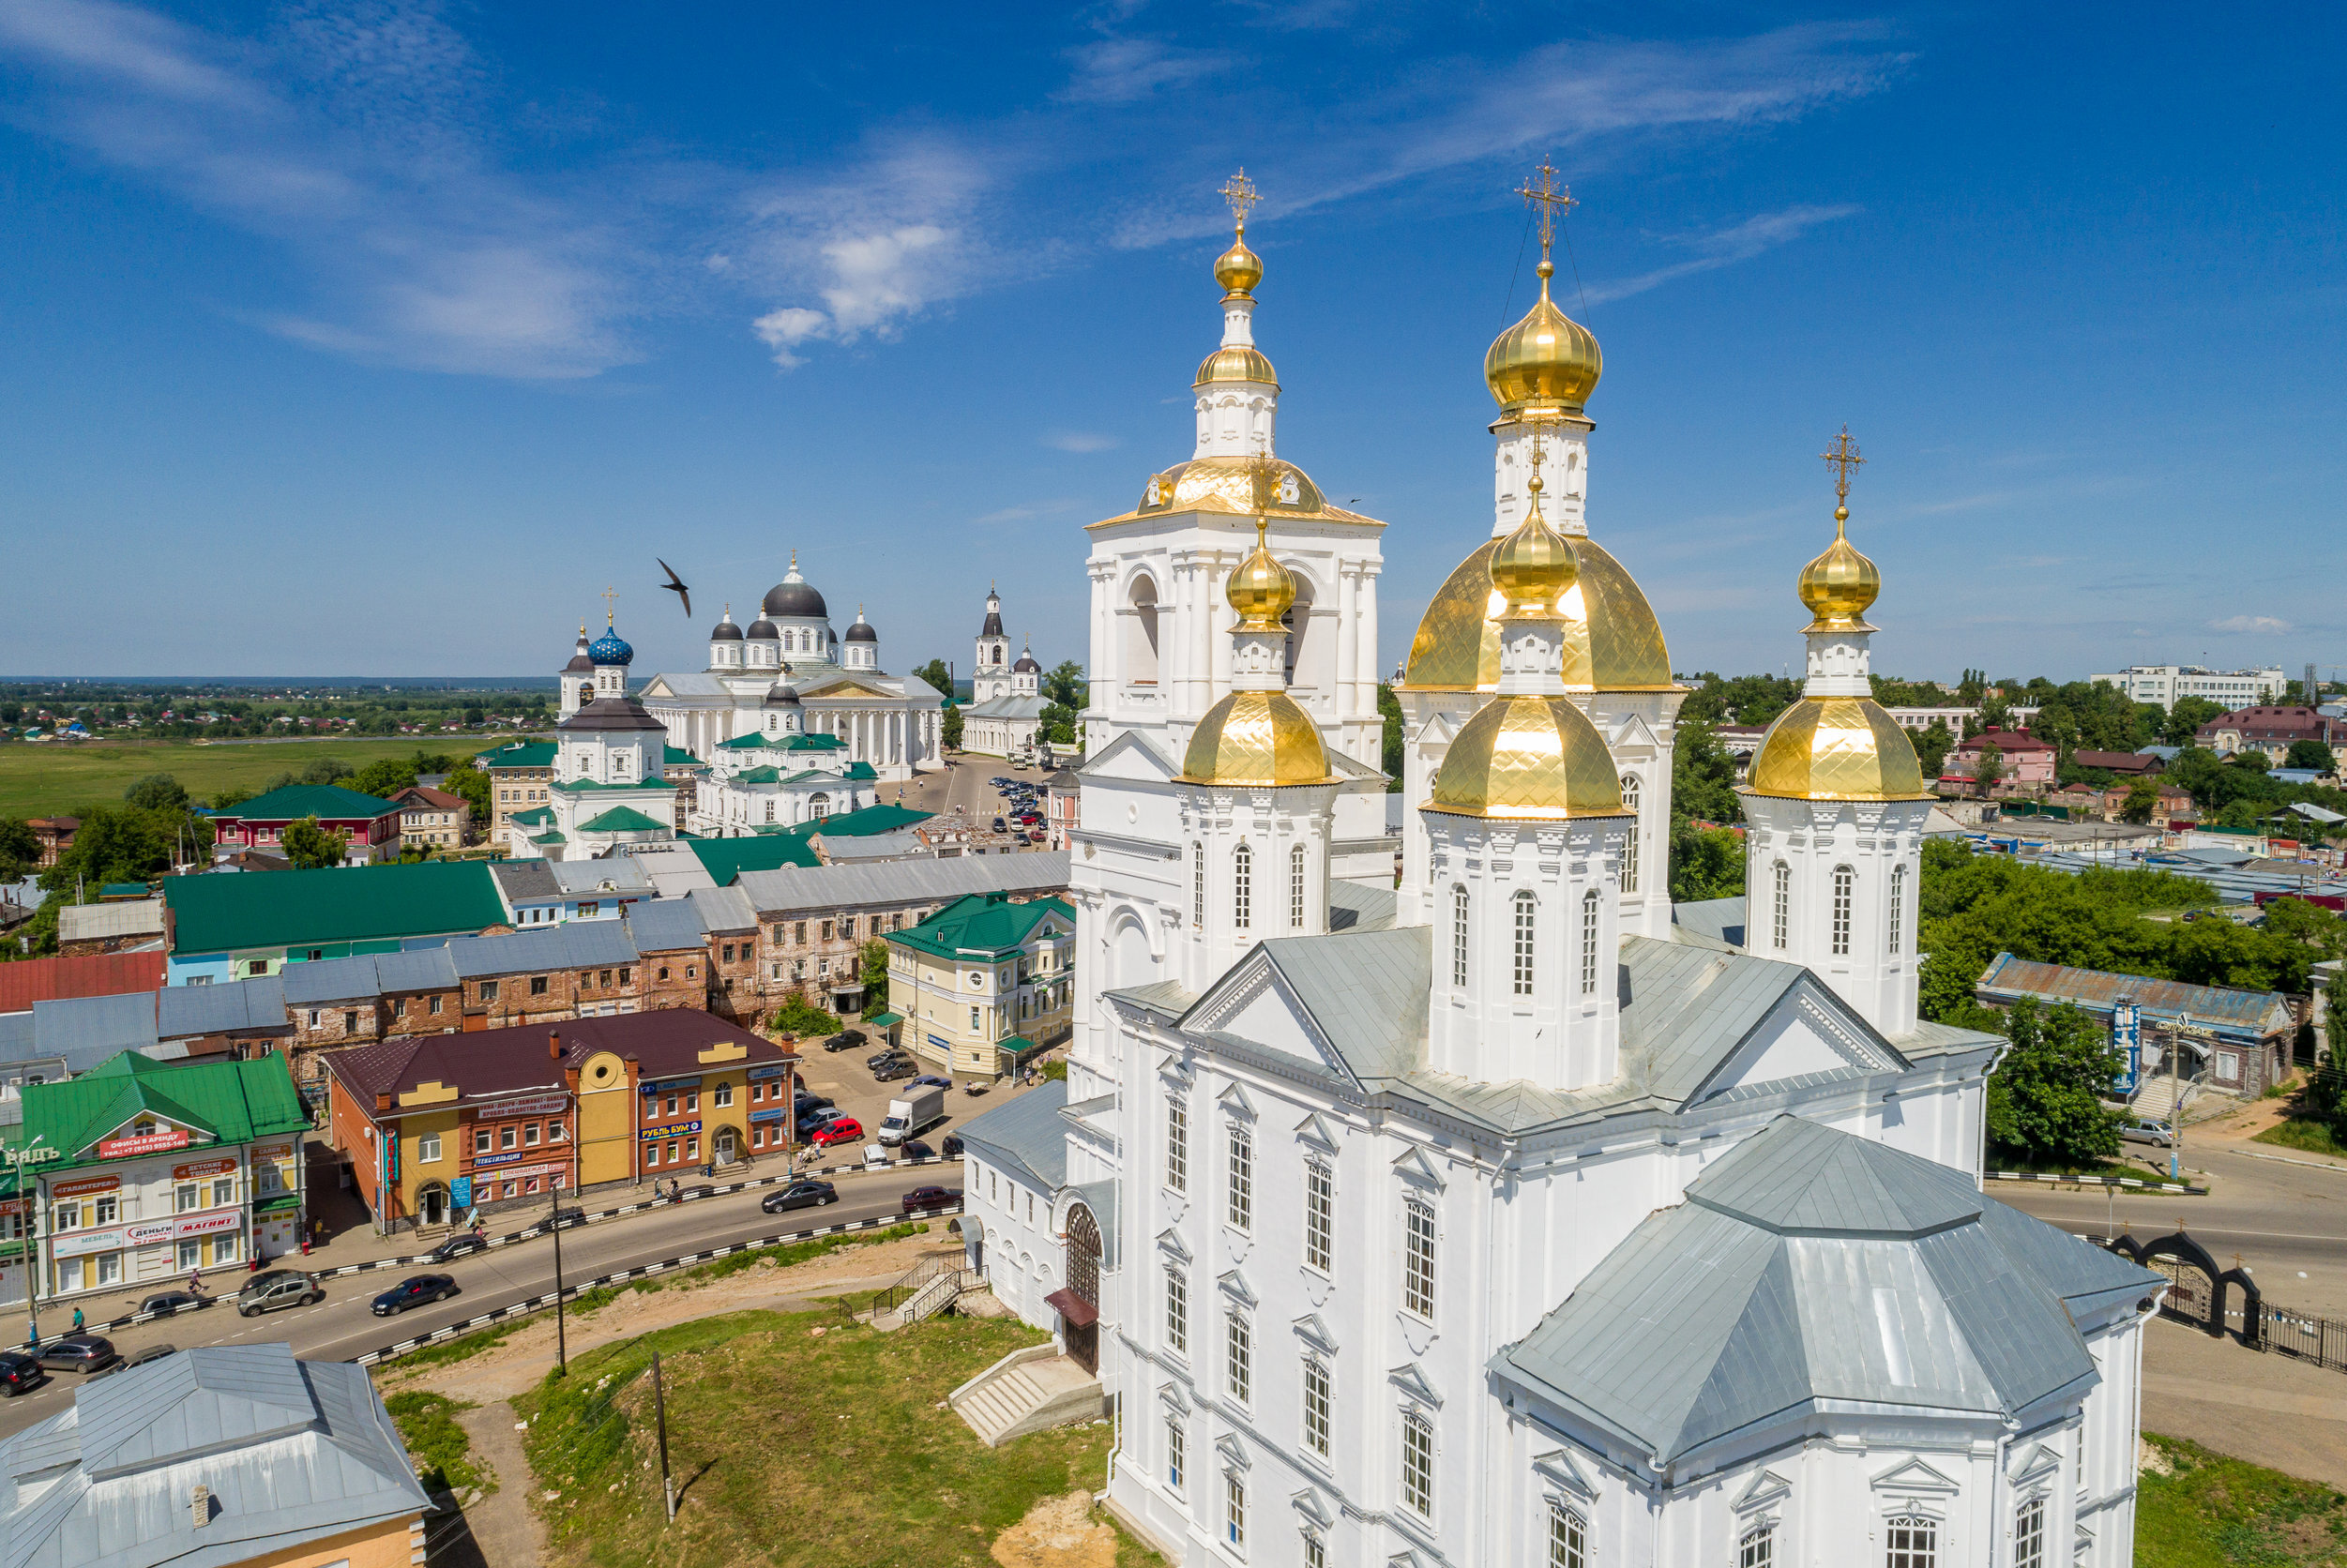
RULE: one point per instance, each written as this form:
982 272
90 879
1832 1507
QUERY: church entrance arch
1083 1284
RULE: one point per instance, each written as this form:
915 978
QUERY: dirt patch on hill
1058 1532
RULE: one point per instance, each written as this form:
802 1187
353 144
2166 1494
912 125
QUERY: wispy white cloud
1125 70
2255 623
1079 440
1726 246
349 137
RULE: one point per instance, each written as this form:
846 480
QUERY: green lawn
58 780
2211 1512
794 1448
2312 1137
427 1425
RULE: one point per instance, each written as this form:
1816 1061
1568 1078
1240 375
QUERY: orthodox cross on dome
1843 456
610 597
1555 200
1240 193
1539 455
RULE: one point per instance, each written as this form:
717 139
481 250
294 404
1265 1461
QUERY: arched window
1296 888
1783 915
1303 660
819 806
1845 882
1630 846
2029 1534
1525 906
1417 1464
1197 884
1242 886
1898 906
1569 1538
1458 937
1141 633
1757 1547
1911 1541
1589 943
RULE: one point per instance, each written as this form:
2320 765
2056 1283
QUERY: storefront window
223 1191
191 1255
186 1196
105 1209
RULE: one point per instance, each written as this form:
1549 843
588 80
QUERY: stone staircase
1027 1391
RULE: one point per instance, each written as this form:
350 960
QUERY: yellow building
984 983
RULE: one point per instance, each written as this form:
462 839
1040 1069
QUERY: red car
844 1129
921 1201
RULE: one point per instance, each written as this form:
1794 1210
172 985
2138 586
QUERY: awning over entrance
1081 1314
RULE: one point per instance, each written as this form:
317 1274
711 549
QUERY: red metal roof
95 974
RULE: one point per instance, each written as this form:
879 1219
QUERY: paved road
341 1326
964 783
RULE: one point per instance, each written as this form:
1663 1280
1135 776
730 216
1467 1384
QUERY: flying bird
676 585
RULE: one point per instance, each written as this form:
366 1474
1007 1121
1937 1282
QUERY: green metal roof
860 771
981 923
533 816
520 754
885 1020
233 1101
767 774
622 818
548 838
678 757
293 908
726 858
862 824
327 802
752 741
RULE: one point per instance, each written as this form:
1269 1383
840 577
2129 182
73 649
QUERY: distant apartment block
2164 684
1955 717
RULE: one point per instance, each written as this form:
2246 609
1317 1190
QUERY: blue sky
379 339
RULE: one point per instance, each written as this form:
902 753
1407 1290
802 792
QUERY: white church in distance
1514 1217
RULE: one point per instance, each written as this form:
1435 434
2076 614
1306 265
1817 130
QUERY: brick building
432 817
2272 731
55 836
370 823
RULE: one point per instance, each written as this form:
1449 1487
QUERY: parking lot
850 1085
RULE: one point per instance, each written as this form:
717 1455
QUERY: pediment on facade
1172 1397
1131 758
147 1133
1912 1480
1632 732
1765 1488
1169 1243
1314 1333
1310 1503
847 689
1233 1451
1562 1471
1235 1099
2041 1462
1810 1033
1253 1002
1441 726
1316 1132
1412 1164
1234 1286
658 688
1175 1067
1412 1383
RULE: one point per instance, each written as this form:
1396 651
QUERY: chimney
383 1099
554 1044
200 1507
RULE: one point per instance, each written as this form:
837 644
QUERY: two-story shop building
984 983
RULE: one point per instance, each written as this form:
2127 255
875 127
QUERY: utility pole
660 1416
562 1346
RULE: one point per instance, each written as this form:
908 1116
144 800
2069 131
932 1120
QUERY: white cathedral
1006 709
1512 1217
893 724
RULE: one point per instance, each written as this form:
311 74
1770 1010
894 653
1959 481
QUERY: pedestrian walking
77 1319
195 1282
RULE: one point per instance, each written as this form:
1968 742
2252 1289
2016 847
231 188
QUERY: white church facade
1006 711
891 723
610 787
1512 1217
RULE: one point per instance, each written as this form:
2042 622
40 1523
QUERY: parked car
799 1195
463 1245
274 1288
894 1053
933 1080
847 1039
916 1150
562 1219
171 1301
418 1290
806 1100
84 1353
922 1200
888 1072
953 1146
845 1130
814 1119
19 1371
2144 1129
137 1359
1001 827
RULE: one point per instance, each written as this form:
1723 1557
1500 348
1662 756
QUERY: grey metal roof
2246 1015
1810 1264
294 1452
816 888
674 869
84 1031
612 874
1354 908
665 924
724 909
1025 1138
903 843
1168 998
525 882
1721 919
573 945
133 917
220 1008
1367 990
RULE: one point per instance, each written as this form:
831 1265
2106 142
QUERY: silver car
2142 1129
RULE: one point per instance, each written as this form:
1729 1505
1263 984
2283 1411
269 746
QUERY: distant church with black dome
791 671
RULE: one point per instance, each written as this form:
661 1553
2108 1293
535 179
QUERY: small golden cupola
1548 360
1238 270
1837 743
1257 734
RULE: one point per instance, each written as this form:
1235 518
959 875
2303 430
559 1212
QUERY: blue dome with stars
610 648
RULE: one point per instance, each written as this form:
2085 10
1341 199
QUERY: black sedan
921 1201
456 1246
847 1039
953 1146
19 1371
79 1352
171 1301
417 1290
913 1149
563 1220
799 1195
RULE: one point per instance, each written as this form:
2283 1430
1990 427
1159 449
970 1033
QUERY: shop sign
775 1071
675 1130
74 1244
554 1168
461 1192
83 1186
486 1162
32 1157
272 1151
661 1086
773 1115
152 1143
201 1168
538 1105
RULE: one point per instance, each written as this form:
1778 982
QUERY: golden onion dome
1256 738
1535 758
1260 589
1836 749
1240 362
1613 641
1230 485
1548 360
1532 568
1838 585
1238 269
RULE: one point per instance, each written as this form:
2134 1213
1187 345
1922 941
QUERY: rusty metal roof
2253 1015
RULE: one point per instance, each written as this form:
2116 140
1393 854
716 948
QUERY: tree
324 771
1064 684
384 778
873 962
935 673
1389 755
1058 724
20 851
156 792
950 730
1987 769
2185 718
309 847
2311 753
470 785
2045 1095
1702 777
798 1015
2142 803
1932 746
1705 863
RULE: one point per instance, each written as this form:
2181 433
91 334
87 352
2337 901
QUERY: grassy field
426 1424
2201 1510
797 1440
2312 1137
58 780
